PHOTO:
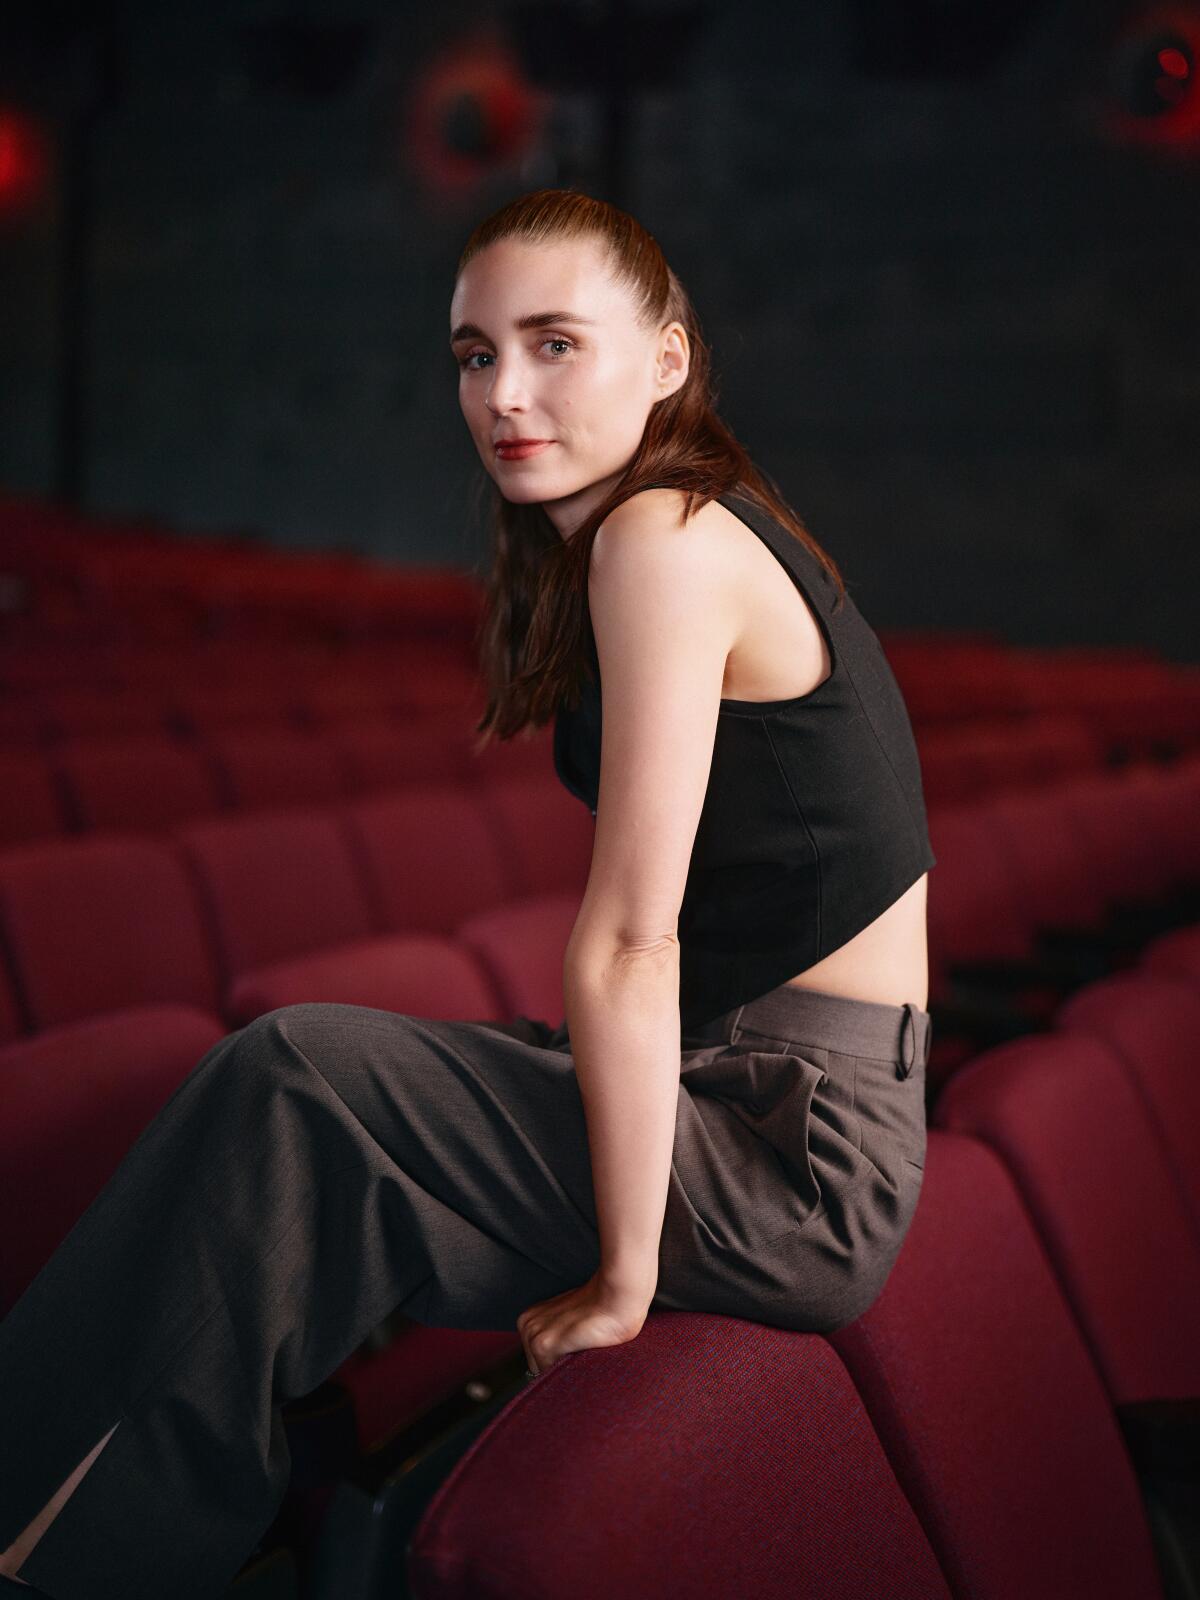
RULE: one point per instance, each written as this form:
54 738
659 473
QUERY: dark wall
956 325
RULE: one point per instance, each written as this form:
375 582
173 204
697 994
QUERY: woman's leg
317 1170
13 1557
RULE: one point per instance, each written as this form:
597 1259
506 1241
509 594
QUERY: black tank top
813 821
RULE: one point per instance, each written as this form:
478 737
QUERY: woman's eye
554 339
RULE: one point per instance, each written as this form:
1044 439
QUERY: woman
731 1115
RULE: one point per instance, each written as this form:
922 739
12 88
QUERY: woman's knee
266 1048
311 1036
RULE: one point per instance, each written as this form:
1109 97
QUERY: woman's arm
663 612
622 1006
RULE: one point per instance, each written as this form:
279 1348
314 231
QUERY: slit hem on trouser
203 1439
194 1474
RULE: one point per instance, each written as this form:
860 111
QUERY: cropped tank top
813 820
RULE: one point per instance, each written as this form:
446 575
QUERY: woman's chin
520 494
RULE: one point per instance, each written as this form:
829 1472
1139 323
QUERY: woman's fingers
580 1319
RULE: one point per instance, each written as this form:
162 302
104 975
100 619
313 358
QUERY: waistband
900 1034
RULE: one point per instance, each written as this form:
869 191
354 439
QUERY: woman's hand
595 1314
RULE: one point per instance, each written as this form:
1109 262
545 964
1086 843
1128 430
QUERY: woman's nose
506 386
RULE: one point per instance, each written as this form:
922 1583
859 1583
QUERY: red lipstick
520 449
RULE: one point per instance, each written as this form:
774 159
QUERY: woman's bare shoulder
667 509
657 504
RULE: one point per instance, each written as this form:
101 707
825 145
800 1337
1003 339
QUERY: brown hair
532 641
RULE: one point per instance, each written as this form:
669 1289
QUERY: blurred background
945 254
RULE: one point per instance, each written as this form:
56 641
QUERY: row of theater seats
62 684
151 780
422 678
430 899
58 687
131 579
104 656
1135 701
1036 891
125 628
148 782
118 581
446 898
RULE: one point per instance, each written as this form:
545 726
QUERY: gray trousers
328 1164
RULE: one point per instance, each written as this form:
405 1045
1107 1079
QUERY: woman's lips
518 452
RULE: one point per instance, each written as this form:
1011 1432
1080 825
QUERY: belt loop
908 1041
736 1029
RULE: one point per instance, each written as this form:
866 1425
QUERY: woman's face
585 382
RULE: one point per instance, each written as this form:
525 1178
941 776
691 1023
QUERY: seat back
432 855
709 1457
97 923
1064 1114
1151 1020
276 884
994 1417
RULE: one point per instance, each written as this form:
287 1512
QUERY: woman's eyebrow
536 319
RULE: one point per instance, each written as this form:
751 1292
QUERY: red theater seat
1168 794
975 909
138 782
710 1457
1124 851
1067 1118
984 1392
547 833
258 696
1035 834
95 924
81 709
25 722
527 755
421 975
349 693
387 751
274 766
32 805
522 944
1176 954
12 1023
432 854
75 1098
1062 744
275 885
1151 1020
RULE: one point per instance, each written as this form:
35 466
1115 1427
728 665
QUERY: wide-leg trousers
327 1164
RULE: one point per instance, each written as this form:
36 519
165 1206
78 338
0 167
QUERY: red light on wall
471 113
22 161
1154 99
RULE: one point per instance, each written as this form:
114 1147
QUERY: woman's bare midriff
887 961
